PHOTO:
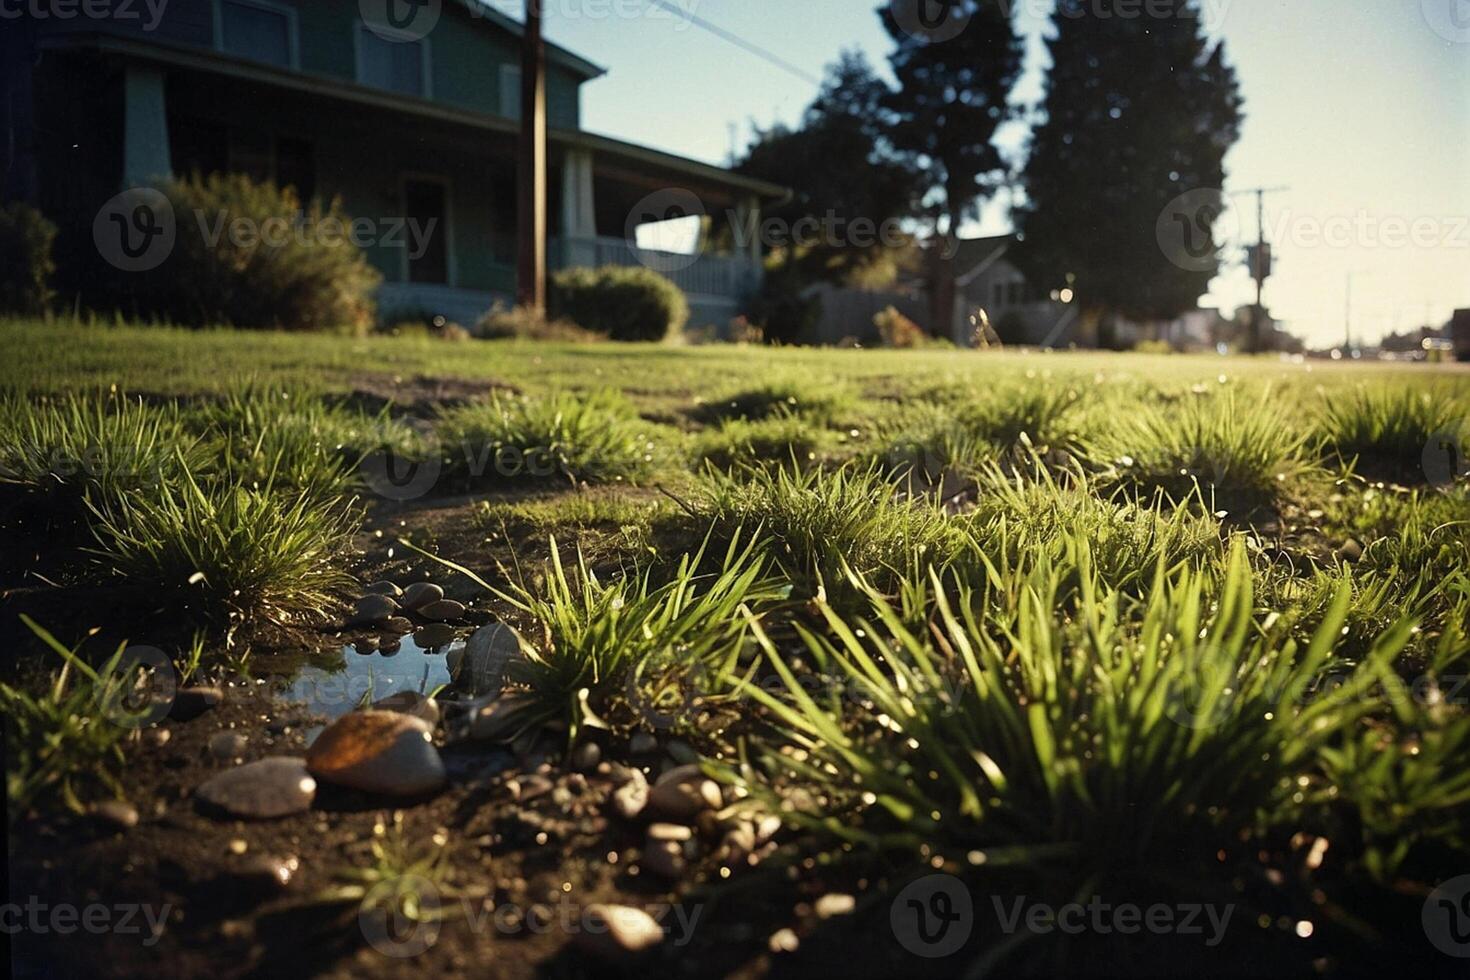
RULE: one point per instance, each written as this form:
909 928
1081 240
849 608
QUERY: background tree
841 171
1138 111
955 63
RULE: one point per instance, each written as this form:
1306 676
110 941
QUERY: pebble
669 832
783 941
631 796
664 858
616 930
115 813
265 874
681 751
381 752
421 594
501 719
831 906
191 702
273 787
488 655
585 757
642 743
371 609
156 738
1350 551
434 636
384 588
410 703
401 625
442 610
682 792
739 843
227 745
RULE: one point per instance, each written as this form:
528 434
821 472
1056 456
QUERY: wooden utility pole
531 166
1260 263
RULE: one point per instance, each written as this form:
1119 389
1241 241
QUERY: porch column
748 238
145 127
579 217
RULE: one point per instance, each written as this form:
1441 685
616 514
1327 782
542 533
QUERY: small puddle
367 677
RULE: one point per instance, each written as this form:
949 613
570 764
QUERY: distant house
1019 311
304 92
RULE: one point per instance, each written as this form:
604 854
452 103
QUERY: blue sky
1362 107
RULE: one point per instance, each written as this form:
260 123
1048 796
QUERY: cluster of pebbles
420 609
390 752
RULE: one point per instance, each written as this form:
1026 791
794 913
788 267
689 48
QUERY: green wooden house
308 93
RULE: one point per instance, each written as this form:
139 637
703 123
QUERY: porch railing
706 274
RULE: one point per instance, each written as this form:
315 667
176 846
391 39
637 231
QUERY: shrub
620 302
26 265
781 311
897 330
296 269
524 323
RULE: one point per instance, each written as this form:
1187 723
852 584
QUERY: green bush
294 266
621 302
26 264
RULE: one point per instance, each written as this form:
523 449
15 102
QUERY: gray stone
273 787
384 588
682 792
371 609
421 594
227 745
444 610
586 756
488 655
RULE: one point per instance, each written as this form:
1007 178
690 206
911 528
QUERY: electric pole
531 166
1260 263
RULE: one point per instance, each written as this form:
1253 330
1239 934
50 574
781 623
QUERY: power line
738 41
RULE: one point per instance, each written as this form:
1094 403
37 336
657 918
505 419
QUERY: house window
258 30
426 245
510 91
398 66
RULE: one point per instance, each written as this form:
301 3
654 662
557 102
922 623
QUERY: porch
391 158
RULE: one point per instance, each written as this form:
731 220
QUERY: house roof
562 56
974 255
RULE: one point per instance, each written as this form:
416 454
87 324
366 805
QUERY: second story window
398 66
258 30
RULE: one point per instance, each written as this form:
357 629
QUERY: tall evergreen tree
1138 111
955 62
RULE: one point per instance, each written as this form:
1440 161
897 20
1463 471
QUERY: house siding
466 52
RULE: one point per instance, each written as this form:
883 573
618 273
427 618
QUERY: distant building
1019 311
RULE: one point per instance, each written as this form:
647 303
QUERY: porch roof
215 62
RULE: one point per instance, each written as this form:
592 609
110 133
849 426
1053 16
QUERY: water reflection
369 676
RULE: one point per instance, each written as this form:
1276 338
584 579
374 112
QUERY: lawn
984 636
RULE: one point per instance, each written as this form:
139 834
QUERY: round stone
371 609
384 588
420 594
273 787
382 752
442 610
227 745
